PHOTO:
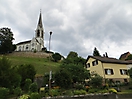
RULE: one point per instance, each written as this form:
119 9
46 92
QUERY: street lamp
50 74
50 39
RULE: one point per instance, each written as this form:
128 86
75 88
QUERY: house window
109 71
88 65
95 62
123 72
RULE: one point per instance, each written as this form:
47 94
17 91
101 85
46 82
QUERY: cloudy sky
77 25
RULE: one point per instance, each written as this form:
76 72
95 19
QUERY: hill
41 63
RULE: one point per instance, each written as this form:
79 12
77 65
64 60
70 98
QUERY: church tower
39 34
40 30
37 42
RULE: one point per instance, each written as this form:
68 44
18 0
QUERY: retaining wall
93 96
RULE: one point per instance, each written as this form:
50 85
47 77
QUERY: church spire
40 30
40 20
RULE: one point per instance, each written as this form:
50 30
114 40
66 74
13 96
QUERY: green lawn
42 65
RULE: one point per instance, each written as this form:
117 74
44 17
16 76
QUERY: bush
35 96
25 96
33 87
79 86
54 92
80 92
17 91
3 92
112 90
68 92
92 90
27 84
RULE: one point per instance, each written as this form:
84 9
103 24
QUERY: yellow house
108 68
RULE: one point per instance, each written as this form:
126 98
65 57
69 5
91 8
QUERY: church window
42 33
38 33
26 47
19 48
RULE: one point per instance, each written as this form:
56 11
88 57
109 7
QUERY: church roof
24 42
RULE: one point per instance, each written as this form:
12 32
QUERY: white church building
36 43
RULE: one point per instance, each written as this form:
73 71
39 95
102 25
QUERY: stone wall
94 96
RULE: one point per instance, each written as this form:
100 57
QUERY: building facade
37 42
109 68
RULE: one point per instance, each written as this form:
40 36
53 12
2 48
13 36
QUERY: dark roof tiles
110 60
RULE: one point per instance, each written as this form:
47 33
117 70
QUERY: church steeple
40 30
40 21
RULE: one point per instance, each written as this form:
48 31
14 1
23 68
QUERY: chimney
106 55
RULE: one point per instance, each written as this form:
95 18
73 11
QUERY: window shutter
106 71
112 71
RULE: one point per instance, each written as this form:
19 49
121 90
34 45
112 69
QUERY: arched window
38 33
42 34
19 48
26 47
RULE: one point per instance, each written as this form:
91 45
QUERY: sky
77 25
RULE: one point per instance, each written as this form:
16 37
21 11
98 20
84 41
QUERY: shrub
35 96
80 92
27 84
33 87
25 96
92 90
68 92
17 91
79 86
112 90
54 92
3 92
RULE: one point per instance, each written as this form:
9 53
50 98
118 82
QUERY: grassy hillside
42 65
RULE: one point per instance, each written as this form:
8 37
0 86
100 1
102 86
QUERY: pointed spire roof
40 21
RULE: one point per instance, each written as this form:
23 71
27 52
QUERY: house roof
24 42
109 60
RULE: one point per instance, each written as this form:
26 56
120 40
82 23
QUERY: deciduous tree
6 38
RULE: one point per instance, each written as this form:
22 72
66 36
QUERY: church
37 42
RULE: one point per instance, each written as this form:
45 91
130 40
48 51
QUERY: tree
96 81
63 78
72 55
56 57
96 52
129 57
26 71
8 77
74 66
6 38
